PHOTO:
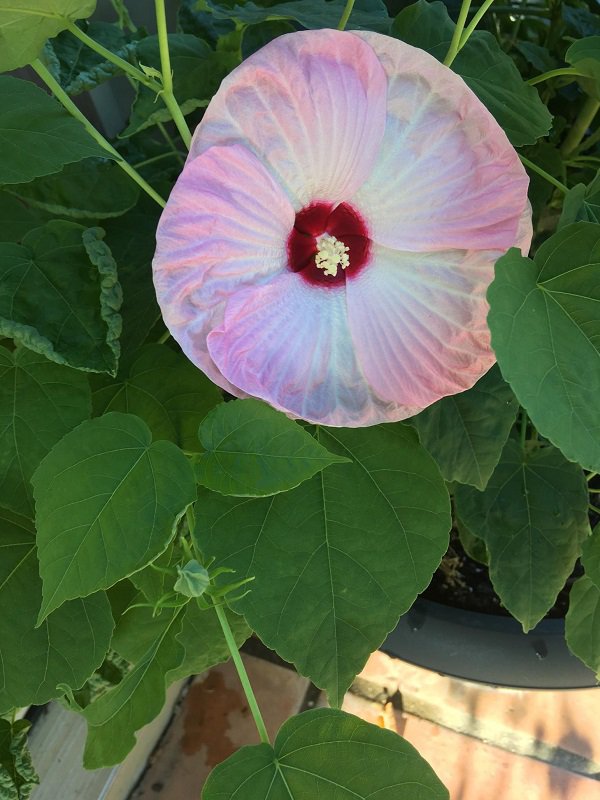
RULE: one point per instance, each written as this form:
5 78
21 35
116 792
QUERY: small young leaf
61 296
338 559
39 403
90 189
197 72
26 24
38 136
118 494
584 55
66 649
466 432
533 519
167 391
326 753
581 204
251 450
546 334
17 773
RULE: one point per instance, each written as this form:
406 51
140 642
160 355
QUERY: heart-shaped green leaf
251 450
326 754
117 495
39 403
546 334
338 559
65 649
533 519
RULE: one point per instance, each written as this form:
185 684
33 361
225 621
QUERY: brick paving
483 742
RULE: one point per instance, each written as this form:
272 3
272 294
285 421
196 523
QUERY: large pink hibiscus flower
329 243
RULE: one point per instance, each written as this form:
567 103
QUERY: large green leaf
338 559
115 716
546 334
251 450
37 136
170 394
582 623
79 68
119 497
466 432
15 218
39 403
368 14
326 754
533 519
90 189
197 72
485 68
65 649
17 774
131 239
61 296
584 55
26 24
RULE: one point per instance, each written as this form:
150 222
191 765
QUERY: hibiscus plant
330 295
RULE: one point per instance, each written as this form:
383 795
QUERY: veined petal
446 175
289 343
225 227
418 323
311 105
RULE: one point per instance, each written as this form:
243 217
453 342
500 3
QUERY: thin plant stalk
580 127
458 31
346 15
555 73
542 172
167 75
479 14
70 106
242 674
127 68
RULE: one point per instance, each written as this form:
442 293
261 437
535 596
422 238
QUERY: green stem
594 508
243 675
582 122
190 516
165 337
167 75
346 15
166 136
70 106
592 139
550 178
160 157
479 14
128 68
458 30
554 73
591 476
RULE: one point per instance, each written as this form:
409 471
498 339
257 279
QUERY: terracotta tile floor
484 743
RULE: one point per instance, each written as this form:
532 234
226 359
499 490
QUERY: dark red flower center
327 244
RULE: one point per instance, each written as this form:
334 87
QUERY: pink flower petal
446 176
311 105
289 343
225 227
418 323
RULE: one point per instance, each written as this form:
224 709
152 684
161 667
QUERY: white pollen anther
331 254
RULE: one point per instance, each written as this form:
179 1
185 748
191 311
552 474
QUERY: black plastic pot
487 648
